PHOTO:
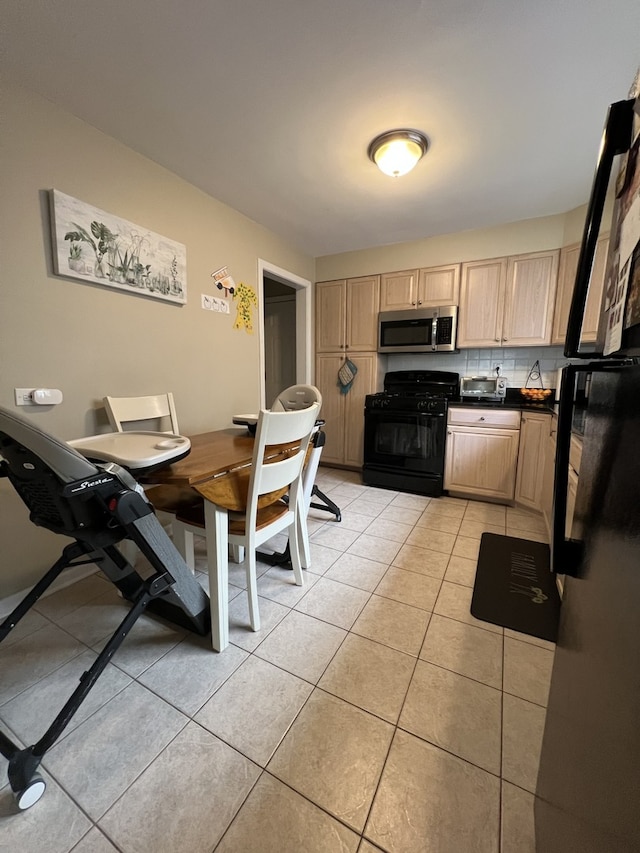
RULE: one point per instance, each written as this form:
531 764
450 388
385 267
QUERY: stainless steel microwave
418 330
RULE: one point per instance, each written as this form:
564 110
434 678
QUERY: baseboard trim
68 577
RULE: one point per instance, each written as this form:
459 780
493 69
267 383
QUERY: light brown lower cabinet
534 433
344 413
548 479
548 475
482 453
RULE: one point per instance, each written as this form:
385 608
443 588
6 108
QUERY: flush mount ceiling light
396 152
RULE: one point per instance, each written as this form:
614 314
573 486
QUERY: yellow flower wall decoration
246 297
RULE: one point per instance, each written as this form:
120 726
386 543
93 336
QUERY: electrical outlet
23 396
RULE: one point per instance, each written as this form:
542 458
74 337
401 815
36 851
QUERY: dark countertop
517 403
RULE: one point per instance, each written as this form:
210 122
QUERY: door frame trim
302 286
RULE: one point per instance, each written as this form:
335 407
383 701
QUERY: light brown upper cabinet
566 279
530 297
428 287
347 314
508 301
482 303
399 290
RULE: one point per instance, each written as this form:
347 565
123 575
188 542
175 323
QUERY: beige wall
574 219
514 238
573 225
530 235
90 340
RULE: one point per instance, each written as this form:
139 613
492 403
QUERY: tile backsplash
516 363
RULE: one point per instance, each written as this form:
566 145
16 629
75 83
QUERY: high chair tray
134 450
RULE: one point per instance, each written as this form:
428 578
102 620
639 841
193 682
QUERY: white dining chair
297 397
272 471
150 413
123 411
291 399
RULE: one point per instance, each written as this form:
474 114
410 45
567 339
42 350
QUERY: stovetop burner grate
425 384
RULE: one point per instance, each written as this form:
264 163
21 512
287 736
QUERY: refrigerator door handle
565 553
616 139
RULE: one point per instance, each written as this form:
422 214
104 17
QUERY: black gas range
405 429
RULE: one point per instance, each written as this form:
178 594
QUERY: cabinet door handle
482 418
505 340
448 432
497 340
413 303
419 302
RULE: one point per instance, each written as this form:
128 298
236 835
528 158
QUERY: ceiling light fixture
396 152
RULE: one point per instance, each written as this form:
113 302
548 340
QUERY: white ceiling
269 105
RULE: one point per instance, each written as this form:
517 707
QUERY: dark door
588 793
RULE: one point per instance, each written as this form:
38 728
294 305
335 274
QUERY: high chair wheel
31 794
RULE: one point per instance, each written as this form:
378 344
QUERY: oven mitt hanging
346 375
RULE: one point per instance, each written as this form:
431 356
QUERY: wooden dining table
218 468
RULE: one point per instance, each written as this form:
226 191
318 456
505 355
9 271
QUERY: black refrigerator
588 790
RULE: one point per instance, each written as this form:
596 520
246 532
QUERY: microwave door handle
434 332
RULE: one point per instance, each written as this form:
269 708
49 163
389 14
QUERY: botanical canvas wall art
96 246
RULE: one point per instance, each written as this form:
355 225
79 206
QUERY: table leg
217 536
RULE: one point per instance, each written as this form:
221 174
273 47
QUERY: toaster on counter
483 387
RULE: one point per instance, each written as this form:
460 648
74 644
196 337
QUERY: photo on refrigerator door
632 316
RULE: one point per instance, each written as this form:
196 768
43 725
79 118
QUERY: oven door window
410 442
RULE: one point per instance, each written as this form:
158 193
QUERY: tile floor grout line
316 805
242 804
73 799
397 723
144 769
449 752
51 672
107 588
460 674
501 746
393 737
315 684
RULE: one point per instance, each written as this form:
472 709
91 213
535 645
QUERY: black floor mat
514 587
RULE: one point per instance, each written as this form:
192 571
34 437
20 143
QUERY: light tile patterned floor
372 712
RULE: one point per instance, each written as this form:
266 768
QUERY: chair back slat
124 410
277 428
277 475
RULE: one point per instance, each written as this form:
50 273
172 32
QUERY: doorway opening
284 329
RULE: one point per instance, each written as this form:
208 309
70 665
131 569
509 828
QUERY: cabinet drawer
500 418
